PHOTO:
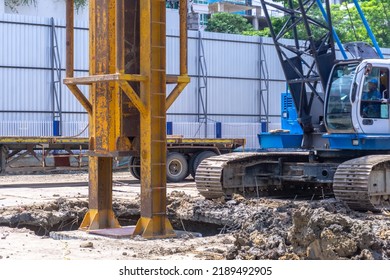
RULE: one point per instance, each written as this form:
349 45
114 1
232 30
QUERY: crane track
361 183
209 174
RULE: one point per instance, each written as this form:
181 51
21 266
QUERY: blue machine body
290 135
349 141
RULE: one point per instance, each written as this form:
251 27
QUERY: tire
177 167
134 167
200 157
191 164
3 159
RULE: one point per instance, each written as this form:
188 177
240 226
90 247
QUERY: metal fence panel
233 80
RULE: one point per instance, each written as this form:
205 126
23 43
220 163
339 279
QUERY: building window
204 19
172 4
201 2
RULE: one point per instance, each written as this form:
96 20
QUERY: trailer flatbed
50 152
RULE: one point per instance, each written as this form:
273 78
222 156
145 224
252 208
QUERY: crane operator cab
357 105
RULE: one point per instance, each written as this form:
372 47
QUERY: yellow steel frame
42 140
107 82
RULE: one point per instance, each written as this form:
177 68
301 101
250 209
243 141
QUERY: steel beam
153 221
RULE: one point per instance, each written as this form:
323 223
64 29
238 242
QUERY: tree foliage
349 27
228 23
348 24
14 4
345 20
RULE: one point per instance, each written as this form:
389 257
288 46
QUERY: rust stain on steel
103 129
69 38
183 37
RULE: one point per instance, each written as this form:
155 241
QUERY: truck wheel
3 159
191 163
200 157
177 167
134 167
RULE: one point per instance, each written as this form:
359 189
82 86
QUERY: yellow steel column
103 131
153 221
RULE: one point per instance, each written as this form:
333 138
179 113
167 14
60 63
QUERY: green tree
228 23
13 4
349 27
347 23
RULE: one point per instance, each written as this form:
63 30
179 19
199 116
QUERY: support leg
153 222
100 214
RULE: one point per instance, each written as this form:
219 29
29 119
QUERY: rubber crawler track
209 174
354 184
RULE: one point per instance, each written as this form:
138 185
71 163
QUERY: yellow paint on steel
148 229
70 56
182 82
103 78
104 129
153 221
100 214
183 37
43 140
183 79
97 219
129 91
120 37
206 140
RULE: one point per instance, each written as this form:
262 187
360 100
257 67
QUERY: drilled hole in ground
205 229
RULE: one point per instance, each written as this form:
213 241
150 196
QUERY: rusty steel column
70 56
183 37
103 131
69 38
153 221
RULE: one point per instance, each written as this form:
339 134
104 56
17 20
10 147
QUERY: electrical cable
350 20
77 135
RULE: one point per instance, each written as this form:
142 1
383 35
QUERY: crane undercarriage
360 182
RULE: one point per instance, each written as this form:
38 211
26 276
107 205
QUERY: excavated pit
67 215
260 228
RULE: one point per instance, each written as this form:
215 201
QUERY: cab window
375 90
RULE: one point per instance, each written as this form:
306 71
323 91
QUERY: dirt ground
40 214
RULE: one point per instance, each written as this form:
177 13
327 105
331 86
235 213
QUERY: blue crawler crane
345 146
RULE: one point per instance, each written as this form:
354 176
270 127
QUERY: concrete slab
123 232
